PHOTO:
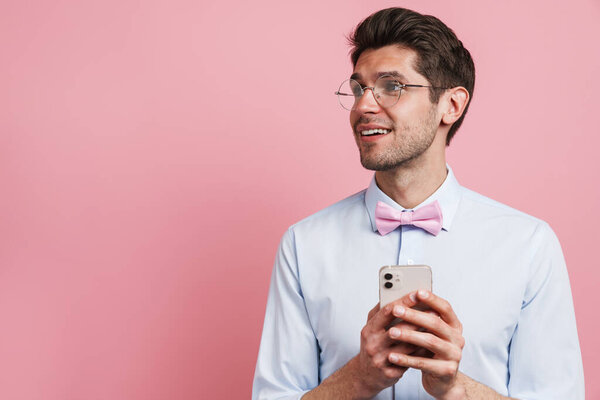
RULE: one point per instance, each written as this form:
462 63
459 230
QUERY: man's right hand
374 371
369 372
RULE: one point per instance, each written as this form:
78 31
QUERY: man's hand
374 369
369 372
441 336
429 340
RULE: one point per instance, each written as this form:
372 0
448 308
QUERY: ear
456 100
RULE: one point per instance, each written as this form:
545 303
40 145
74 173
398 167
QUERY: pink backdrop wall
153 153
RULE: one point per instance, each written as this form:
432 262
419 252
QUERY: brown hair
441 57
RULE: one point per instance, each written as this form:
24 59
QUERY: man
500 318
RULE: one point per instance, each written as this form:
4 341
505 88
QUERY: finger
383 318
443 349
400 323
411 302
426 321
421 352
404 348
441 306
373 311
390 371
393 373
441 368
387 342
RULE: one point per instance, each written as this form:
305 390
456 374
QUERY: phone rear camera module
389 285
388 276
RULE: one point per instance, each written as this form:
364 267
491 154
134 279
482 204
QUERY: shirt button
410 261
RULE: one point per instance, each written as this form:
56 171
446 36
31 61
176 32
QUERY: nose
367 102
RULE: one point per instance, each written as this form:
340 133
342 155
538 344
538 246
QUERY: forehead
374 62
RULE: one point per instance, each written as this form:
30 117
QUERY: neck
412 182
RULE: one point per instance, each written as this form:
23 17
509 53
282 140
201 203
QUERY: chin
383 164
372 165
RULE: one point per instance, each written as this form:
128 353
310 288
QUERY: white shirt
502 271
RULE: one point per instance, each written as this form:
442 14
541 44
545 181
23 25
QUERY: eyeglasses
386 91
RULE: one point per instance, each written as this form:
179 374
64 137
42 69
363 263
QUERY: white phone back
404 279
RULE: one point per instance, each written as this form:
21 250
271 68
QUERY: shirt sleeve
545 359
288 358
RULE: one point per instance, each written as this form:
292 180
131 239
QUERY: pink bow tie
428 217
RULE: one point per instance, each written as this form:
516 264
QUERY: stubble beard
409 144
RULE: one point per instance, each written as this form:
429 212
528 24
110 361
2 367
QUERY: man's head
440 56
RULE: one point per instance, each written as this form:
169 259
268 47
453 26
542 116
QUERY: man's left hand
442 336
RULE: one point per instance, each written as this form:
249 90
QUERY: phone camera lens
388 276
389 285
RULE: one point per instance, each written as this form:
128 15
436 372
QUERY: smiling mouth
375 132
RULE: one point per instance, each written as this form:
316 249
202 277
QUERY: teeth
374 131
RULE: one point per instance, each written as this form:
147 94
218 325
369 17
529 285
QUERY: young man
500 320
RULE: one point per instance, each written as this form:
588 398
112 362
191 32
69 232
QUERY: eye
394 86
356 88
390 86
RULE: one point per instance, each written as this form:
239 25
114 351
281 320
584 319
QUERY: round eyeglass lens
349 93
387 91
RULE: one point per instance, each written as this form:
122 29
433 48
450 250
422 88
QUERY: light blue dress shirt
502 271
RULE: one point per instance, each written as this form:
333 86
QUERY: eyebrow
356 76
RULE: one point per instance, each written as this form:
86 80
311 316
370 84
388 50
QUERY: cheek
395 118
406 114
353 119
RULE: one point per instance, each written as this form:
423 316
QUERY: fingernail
399 311
394 357
423 294
413 297
394 332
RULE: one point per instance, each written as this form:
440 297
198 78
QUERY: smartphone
396 281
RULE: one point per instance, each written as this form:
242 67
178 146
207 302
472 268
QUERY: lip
372 138
366 127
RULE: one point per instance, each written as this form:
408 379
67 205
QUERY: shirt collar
447 195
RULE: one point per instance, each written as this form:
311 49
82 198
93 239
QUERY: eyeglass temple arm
348 94
429 86
338 93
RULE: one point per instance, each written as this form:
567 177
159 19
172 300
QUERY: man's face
411 123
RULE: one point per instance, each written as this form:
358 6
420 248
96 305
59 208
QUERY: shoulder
506 222
486 209
335 217
334 212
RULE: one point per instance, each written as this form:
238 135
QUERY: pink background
153 153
